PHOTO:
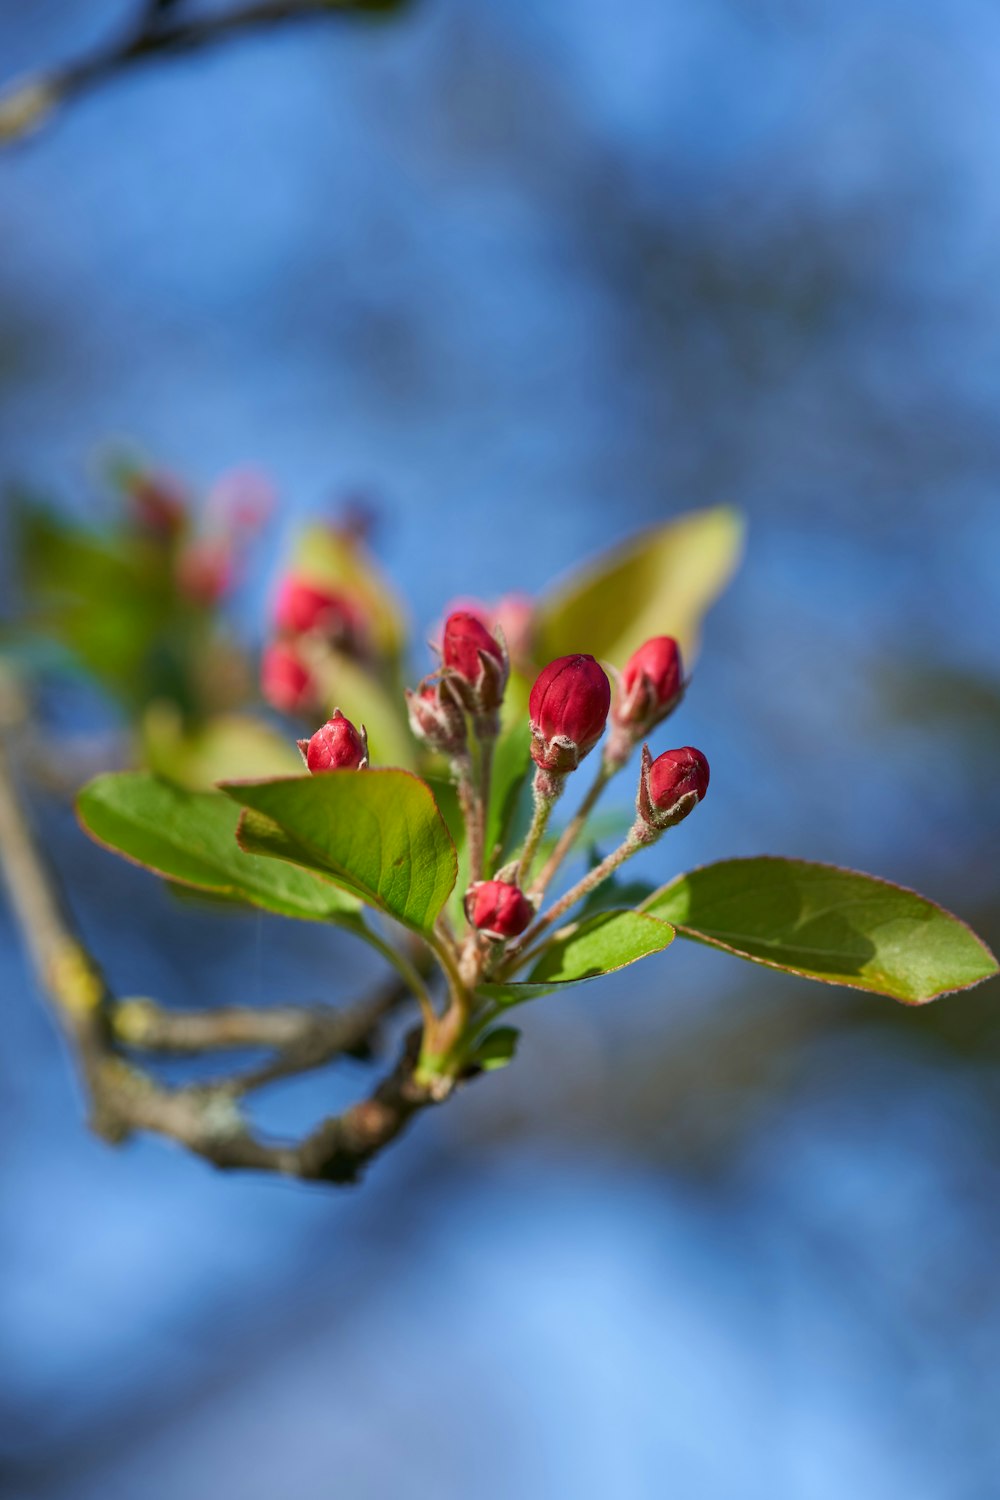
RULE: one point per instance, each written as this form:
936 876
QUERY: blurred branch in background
206 1118
161 26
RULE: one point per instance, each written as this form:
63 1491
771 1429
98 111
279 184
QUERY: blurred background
528 278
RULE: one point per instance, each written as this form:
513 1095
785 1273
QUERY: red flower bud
337 746
286 681
569 706
671 786
159 502
302 607
651 684
475 662
499 910
436 716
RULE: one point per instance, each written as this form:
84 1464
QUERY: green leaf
378 833
661 582
496 1049
226 745
190 838
611 940
837 926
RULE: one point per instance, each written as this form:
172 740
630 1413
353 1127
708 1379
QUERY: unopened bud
159 502
337 746
436 716
205 570
286 681
498 909
515 615
568 706
475 662
304 608
671 786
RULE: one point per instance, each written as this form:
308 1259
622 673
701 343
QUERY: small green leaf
837 926
377 833
611 940
661 582
496 1049
190 838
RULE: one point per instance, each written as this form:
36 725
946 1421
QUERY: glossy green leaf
378 833
607 942
837 926
190 838
660 582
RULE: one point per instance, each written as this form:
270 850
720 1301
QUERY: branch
25 105
206 1118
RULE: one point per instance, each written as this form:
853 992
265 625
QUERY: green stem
572 832
545 801
408 972
639 835
486 744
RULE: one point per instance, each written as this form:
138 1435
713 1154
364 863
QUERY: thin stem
408 972
637 838
573 830
469 802
449 963
544 803
123 1097
486 743
155 32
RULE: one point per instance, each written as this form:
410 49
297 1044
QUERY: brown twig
206 1118
159 30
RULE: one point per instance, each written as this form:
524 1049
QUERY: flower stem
546 795
639 835
572 832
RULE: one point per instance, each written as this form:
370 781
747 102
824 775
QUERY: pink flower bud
286 681
475 662
205 570
671 786
436 716
515 615
337 746
499 910
243 499
302 607
569 706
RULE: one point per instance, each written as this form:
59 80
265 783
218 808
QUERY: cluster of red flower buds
471 680
205 561
307 616
569 706
336 746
